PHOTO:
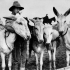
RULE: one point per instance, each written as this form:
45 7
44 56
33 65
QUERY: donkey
8 38
64 30
37 41
50 36
6 46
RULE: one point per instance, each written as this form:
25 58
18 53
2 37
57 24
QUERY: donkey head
20 27
23 28
61 21
38 29
48 33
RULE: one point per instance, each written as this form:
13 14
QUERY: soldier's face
16 10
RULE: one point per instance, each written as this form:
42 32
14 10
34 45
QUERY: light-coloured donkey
64 30
7 39
50 37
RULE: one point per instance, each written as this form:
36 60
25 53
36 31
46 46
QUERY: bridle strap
6 42
65 32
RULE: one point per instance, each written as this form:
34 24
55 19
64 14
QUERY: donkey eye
57 21
44 33
51 33
36 29
20 23
64 21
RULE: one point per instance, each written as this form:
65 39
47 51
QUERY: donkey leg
10 61
54 58
41 60
37 61
67 57
50 63
23 56
3 61
27 57
27 50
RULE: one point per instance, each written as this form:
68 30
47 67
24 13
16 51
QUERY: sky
36 8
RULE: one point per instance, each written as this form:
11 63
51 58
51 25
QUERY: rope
6 42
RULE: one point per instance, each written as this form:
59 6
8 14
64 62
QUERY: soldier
16 8
19 55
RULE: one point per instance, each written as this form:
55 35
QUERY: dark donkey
37 41
64 30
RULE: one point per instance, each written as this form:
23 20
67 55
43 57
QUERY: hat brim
13 7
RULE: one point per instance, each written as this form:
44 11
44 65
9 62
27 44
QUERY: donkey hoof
22 68
3 68
55 68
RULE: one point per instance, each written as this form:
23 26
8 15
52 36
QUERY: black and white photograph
34 34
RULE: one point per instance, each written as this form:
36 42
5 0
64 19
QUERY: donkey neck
67 37
65 32
34 38
2 27
2 33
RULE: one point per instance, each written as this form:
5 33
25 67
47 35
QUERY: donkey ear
67 12
55 11
31 22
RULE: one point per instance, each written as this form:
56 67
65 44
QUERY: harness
5 40
8 20
5 36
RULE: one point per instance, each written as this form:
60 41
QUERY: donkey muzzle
41 41
28 37
61 32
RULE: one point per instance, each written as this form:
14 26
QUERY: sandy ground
31 65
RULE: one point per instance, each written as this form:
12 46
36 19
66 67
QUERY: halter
65 32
